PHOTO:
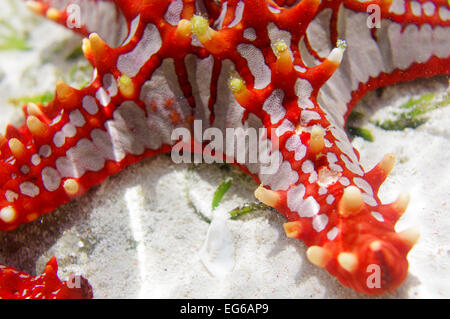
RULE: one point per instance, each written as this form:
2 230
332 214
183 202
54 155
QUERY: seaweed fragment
42 98
11 39
412 113
361 132
220 192
247 208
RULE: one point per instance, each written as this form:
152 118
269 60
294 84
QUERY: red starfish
239 64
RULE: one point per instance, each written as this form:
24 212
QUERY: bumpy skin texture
171 69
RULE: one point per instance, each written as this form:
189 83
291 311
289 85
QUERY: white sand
140 233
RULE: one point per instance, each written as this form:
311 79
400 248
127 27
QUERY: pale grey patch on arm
441 42
334 96
282 178
303 89
273 105
102 96
110 84
104 18
250 34
164 86
50 178
90 105
173 12
308 116
76 118
199 76
130 63
133 28
398 7
67 168
29 189
284 127
218 24
257 65
362 58
318 33
404 48
294 144
135 120
228 112
444 13
85 155
308 59
103 142
122 139
237 14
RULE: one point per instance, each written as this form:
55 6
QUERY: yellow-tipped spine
293 229
8 214
17 148
71 186
53 14
387 163
126 86
410 236
267 196
239 89
375 245
86 47
64 92
35 6
184 28
213 41
401 203
200 27
322 72
317 141
351 202
337 54
318 256
284 60
33 109
36 127
348 261
98 47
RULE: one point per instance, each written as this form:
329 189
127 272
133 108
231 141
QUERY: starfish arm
253 65
20 285
85 17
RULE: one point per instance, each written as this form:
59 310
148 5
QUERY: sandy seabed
140 233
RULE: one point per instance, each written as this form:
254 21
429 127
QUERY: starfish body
294 68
